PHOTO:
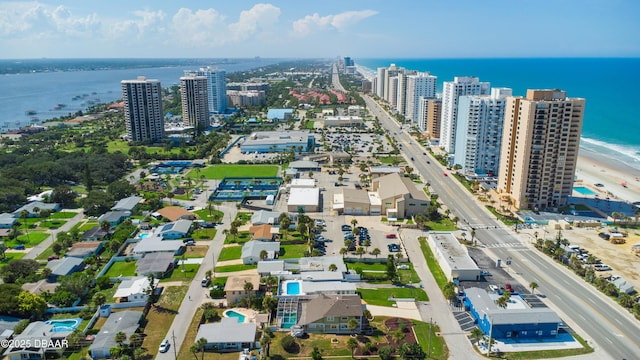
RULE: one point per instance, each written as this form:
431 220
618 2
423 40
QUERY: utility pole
173 337
490 334
429 342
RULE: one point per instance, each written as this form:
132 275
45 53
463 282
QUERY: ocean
611 122
61 86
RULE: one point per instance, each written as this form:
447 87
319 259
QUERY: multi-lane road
606 324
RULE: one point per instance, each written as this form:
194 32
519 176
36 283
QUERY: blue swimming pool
143 235
293 288
60 325
234 314
584 191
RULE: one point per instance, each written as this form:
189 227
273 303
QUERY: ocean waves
626 154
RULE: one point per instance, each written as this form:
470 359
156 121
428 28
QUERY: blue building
279 114
517 320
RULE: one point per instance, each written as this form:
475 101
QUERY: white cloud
146 22
261 17
313 23
26 19
202 27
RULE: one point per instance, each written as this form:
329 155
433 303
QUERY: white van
205 282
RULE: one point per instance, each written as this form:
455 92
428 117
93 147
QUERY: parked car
394 247
508 287
391 236
52 257
205 282
164 346
346 228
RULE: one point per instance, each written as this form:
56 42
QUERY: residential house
114 218
175 230
134 289
271 267
63 267
50 342
173 213
159 264
235 287
96 233
127 204
84 249
399 196
123 321
252 249
31 207
262 217
228 335
331 314
261 232
7 220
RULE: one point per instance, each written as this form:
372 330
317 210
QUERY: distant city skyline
302 29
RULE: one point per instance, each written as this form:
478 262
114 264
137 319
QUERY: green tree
315 354
353 325
412 351
533 286
391 271
344 251
333 267
3 248
375 252
99 299
201 343
476 334
360 251
31 304
386 352
120 338
352 344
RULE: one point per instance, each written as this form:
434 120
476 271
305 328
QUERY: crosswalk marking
504 245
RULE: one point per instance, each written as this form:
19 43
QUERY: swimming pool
234 314
143 235
292 288
584 191
60 325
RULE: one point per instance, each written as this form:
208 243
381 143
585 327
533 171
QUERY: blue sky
321 28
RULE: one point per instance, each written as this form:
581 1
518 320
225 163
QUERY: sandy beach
594 168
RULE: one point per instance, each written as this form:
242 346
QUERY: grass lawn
204 234
309 125
63 215
242 237
390 159
293 251
238 267
189 273
34 238
381 296
443 225
52 223
88 225
305 346
8 256
45 254
244 217
367 266
439 348
221 171
122 146
124 268
109 292
435 269
197 251
161 316
230 253
215 216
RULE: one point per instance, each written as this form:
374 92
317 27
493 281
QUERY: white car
164 346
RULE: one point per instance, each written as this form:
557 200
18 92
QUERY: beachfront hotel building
144 119
422 84
382 73
429 113
451 91
539 152
216 87
195 101
479 132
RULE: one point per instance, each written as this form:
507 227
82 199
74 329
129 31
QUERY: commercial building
429 114
453 257
216 87
451 91
195 101
540 143
278 141
330 121
356 110
479 132
280 115
517 321
307 199
144 119
248 86
239 98
399 197
420 85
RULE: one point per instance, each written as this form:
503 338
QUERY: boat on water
30 112
59 106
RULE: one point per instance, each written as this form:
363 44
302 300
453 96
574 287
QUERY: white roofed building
307 199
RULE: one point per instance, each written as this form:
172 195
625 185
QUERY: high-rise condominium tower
451 90
144 119
429 114
216 87
195 101
479 131
420 85
382 74
540 143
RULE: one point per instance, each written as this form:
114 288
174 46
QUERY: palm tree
24 214
354 222
344 251
360 251
201 343
170 195
99 299
120 337
353 324
476 334
533 286
352 344
263 254
333 267
375 252
248 287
